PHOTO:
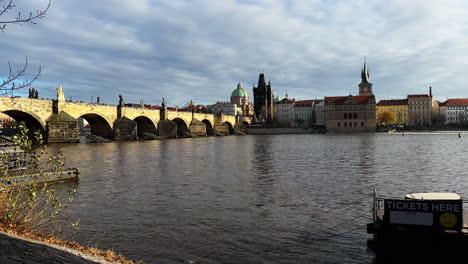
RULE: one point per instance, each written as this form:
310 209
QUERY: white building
284 112
456 111
225 108
319 113
304 113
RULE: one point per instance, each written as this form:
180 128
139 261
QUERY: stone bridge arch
145 125
78 109
230 127
209 127
99 125
31 120
34 112
182 126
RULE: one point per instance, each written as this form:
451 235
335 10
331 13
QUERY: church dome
239 92
277 99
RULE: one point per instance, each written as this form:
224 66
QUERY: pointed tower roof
365 73
261 80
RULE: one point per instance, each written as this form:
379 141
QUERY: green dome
277 99
239 92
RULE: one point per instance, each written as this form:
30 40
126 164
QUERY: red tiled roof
304 103
153 106
393 102
341 99
456 102
286 101
418 96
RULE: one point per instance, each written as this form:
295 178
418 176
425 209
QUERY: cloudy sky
200 49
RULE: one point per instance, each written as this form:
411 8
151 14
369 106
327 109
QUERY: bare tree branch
19 20
14 80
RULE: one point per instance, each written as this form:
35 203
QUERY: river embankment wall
274 131
16 249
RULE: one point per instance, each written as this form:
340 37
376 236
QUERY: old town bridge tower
263 101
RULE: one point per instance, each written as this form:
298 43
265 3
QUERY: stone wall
16 249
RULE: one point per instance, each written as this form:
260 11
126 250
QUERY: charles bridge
58 119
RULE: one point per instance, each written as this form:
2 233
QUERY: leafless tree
13 80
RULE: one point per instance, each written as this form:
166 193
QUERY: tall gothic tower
263 101
365 87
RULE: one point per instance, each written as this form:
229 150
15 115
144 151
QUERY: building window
345 115
339 124
355 115
355 124
345 124
362 123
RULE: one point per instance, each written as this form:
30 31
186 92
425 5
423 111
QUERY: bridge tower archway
99 125
182 127
145 125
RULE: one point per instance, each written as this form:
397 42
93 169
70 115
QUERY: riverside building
351 114
305 114
456 111
284 112
397 106
420 108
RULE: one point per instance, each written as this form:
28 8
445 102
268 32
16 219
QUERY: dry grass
107 255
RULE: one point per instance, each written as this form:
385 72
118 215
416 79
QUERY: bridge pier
197 128
167 129
239 127
62 128
125 129
222 129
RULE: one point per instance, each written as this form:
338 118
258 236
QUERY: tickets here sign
445 214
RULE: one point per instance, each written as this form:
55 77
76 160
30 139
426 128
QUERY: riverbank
17 249
34 247
276 131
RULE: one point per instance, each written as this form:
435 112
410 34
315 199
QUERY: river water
252 199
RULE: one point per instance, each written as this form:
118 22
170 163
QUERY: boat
419 218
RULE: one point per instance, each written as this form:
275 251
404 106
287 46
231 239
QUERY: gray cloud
200 49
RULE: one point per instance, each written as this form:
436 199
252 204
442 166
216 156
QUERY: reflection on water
252 199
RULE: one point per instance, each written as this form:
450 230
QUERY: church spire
365 73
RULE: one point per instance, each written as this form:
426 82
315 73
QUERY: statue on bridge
60 94
121 101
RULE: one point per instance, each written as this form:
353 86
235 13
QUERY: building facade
397 106
319 113
263 101
284 112
420 108
351 114
222 107
304 113
456 111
